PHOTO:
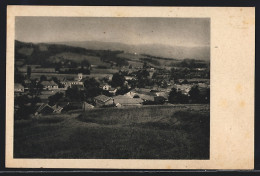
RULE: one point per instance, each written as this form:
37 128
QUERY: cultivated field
148 132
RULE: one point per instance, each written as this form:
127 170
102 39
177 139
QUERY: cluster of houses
134 98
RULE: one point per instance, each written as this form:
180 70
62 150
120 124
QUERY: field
150 132
77 58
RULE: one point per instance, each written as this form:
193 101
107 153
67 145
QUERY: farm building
126 101
149 95
183 88
44 108
144 94
103 100
18 87
49 85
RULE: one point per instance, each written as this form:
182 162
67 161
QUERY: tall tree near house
55 98
74 94
43 78
118 80
29 71
91 88
142 78
35 89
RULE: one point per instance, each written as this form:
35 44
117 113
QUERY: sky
168 31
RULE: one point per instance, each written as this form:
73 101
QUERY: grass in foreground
143 133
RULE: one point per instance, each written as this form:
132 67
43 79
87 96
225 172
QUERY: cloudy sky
168 31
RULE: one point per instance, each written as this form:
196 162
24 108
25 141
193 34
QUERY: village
39 91
111 88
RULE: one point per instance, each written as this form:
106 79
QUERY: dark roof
102 98
45 108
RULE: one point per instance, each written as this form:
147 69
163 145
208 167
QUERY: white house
18 87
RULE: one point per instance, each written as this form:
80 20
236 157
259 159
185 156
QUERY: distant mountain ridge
176 52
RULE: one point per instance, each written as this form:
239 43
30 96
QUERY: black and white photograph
111 88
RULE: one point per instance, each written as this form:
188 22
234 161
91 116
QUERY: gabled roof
44 107
102 98
86 105
125 100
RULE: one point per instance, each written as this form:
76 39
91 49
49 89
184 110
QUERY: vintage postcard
130 87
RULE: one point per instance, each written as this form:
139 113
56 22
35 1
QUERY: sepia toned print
112 88
100 90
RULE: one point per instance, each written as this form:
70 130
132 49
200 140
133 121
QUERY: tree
195 94
85 63
55 98
91 88
123 90
26 106
142 78
74 94
29 71
43 78
177 97
118 80
145 65
35 88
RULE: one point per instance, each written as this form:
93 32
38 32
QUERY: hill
103 55
178 52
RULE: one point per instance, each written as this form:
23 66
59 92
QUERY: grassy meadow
148 132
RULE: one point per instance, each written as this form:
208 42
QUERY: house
18 88
103 100
129 78
49 85
183 88
58 107
143 93
126 101
86 106
73 81
44 108
112 91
